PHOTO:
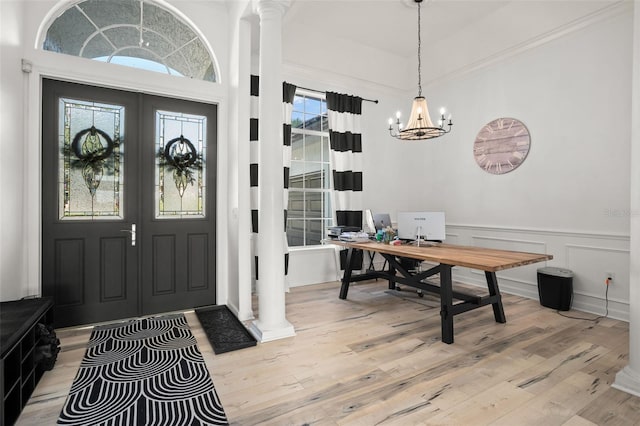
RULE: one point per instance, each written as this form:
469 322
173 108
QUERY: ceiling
455 33
389 25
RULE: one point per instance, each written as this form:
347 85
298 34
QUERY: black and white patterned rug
143 372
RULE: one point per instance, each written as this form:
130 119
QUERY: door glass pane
180 165
91 160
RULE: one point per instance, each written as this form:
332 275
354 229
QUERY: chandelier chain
419 59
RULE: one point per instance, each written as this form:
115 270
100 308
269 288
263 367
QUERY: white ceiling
455 33
389 25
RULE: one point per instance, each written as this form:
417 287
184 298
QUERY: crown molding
335 80
265 6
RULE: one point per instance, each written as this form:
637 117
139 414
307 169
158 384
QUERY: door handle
132 231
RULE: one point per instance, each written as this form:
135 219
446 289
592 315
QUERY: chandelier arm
419 133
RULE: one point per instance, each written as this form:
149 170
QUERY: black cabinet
24 326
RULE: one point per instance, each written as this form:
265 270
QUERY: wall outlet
610 276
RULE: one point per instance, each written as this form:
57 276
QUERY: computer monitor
421 225
381 220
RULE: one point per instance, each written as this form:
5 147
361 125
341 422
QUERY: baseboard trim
627 381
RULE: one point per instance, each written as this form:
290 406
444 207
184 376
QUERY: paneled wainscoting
377 358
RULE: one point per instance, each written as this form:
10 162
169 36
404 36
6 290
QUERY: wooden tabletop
485 259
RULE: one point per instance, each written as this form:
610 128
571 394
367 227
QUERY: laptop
381 220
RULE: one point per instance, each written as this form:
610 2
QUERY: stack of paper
354 237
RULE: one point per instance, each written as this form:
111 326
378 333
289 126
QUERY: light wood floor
377 358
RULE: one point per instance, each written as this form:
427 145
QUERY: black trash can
555 288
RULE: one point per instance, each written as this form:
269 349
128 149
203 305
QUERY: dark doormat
223 329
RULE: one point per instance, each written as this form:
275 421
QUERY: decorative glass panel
180 165
134 33
91 160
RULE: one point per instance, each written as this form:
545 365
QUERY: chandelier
419 126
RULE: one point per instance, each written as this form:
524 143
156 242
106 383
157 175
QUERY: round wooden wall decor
501 145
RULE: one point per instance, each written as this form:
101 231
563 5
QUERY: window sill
312 248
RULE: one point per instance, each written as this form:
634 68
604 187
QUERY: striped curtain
254 155
288 93
346 157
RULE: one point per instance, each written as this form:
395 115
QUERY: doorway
128 203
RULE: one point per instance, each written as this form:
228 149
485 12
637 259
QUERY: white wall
11 125
570 198
574 96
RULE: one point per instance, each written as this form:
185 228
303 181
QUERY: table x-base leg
447 308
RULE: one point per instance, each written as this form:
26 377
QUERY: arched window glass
136 33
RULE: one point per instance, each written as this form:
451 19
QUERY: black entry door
128 208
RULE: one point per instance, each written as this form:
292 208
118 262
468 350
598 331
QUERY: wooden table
446 256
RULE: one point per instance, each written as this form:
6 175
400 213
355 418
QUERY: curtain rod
375 101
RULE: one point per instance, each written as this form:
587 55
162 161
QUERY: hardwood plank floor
377 358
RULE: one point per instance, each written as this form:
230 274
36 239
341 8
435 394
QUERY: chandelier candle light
420 126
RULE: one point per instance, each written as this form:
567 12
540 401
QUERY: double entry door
128 203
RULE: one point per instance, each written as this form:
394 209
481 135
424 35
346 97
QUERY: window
310 211
134 33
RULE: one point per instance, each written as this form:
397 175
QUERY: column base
242 315
627 381
263 335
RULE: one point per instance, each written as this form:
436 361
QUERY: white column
245 255
271 323
628 379
239 246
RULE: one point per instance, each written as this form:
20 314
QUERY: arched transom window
136 33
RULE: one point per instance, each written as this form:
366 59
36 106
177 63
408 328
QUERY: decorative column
271 323
240 243
628 379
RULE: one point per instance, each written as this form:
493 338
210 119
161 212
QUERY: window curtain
254 155
344 113
288 93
